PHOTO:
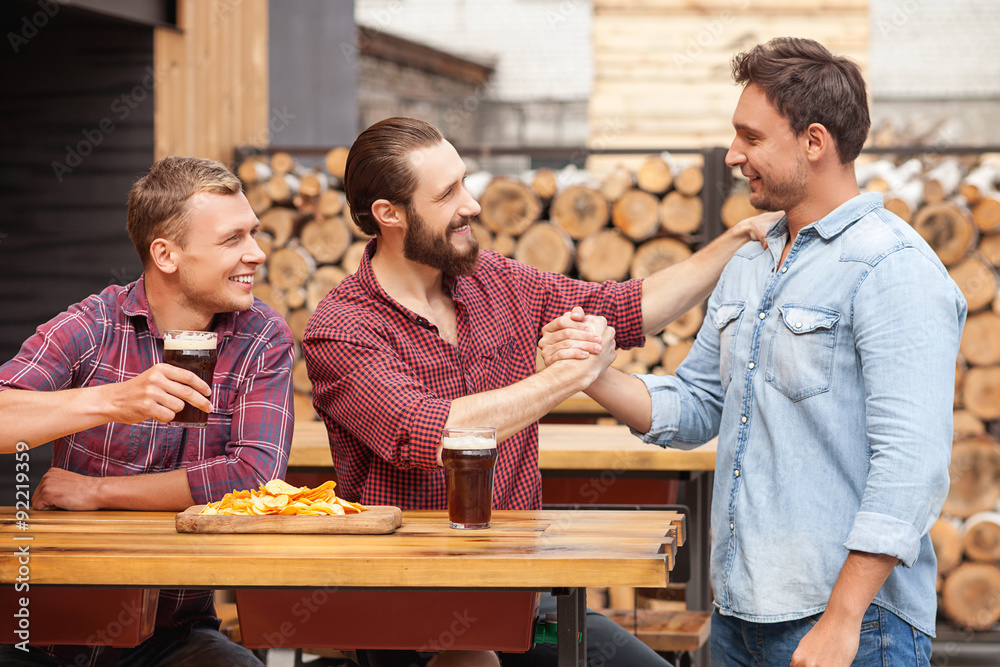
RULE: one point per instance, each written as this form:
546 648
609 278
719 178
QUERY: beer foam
190 340
469 442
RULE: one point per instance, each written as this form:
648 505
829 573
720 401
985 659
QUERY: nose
470 207
734 157
253 255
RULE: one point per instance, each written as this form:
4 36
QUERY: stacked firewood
628 224
631 223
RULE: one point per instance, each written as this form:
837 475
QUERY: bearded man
432 332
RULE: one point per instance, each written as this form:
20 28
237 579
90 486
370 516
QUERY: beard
420 245
782 195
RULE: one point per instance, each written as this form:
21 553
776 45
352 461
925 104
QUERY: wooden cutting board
376 520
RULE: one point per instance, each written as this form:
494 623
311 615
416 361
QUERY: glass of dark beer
193 351
469 456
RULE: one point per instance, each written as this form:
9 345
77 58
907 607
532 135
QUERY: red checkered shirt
110 337
383 379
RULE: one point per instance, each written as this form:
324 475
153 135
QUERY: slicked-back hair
379 166
808 84
158 202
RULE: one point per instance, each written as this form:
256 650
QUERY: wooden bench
676 632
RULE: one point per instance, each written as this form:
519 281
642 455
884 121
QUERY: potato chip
278 497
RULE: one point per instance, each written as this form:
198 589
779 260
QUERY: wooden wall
212 79
662 75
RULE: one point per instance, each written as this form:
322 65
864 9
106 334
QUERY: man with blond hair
93 380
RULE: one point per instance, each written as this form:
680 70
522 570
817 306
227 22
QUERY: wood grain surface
376 520
523 549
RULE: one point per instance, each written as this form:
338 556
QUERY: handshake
581 346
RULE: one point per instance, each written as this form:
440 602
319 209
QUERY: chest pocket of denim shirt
800 361
727 320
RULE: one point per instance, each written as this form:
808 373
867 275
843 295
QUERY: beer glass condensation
469 456
193 351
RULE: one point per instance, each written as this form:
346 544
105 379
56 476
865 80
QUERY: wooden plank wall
662 75
211 79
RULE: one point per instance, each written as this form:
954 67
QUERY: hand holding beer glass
193 351
469 455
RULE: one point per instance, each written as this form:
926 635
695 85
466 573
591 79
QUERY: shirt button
784 269
732 526
762 316
736 473
798 325
743 419
750 365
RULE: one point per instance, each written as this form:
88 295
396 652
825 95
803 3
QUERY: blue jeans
886 641
204 647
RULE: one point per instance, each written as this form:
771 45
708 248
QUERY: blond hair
158 202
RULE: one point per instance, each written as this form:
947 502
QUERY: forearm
515 407
38 417
671 292
167 491
860 579
625 397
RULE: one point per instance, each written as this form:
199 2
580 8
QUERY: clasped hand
578 338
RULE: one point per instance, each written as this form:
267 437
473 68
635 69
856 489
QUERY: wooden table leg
571 631
699 588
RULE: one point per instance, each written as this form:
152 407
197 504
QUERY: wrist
565 376
742 230
101 404
100 492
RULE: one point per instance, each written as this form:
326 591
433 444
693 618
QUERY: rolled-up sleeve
552 294
686 409
262 423
907 317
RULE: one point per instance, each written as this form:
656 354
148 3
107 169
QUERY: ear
388 214
162 255
818 141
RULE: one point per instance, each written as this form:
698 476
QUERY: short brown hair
808 84
157 203
378 166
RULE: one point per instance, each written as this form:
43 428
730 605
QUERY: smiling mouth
246 280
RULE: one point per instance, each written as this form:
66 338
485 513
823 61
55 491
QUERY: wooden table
561 551
572 450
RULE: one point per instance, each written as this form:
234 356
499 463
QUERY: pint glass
193 351
469 456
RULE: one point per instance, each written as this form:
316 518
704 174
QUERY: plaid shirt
383 379
110 337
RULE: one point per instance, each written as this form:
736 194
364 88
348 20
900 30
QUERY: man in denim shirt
826 365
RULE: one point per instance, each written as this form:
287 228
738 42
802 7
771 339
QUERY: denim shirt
829 381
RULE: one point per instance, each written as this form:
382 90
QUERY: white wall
541 48
934 49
